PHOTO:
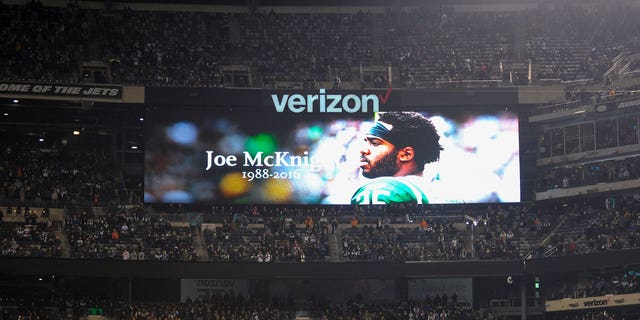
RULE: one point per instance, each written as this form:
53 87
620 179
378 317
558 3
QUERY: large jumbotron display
266 157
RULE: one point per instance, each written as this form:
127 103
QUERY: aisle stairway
64 241
334 248
201 248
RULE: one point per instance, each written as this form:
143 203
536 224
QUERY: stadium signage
629 104
204 289
222 283
61 90
606 301
329 103
595 303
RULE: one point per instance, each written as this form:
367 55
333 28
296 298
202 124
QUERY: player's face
378 158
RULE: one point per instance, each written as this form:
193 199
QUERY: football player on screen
396 150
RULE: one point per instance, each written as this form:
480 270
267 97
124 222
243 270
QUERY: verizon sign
606 301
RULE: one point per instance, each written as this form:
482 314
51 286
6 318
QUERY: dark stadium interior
200 159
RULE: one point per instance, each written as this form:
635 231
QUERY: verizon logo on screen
329 103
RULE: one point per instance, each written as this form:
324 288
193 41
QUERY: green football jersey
386 190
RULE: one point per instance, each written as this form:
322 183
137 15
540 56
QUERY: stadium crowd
436 240
417 310
587 174
225 307
50 175
598 315
602 284
499 232
590 228
430 46
30 240
127 234
513 232
230 306
278 240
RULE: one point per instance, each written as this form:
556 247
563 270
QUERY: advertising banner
62 90
606 301
202 289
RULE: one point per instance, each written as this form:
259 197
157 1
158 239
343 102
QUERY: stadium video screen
263 157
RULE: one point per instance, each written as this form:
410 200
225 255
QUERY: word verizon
331 103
